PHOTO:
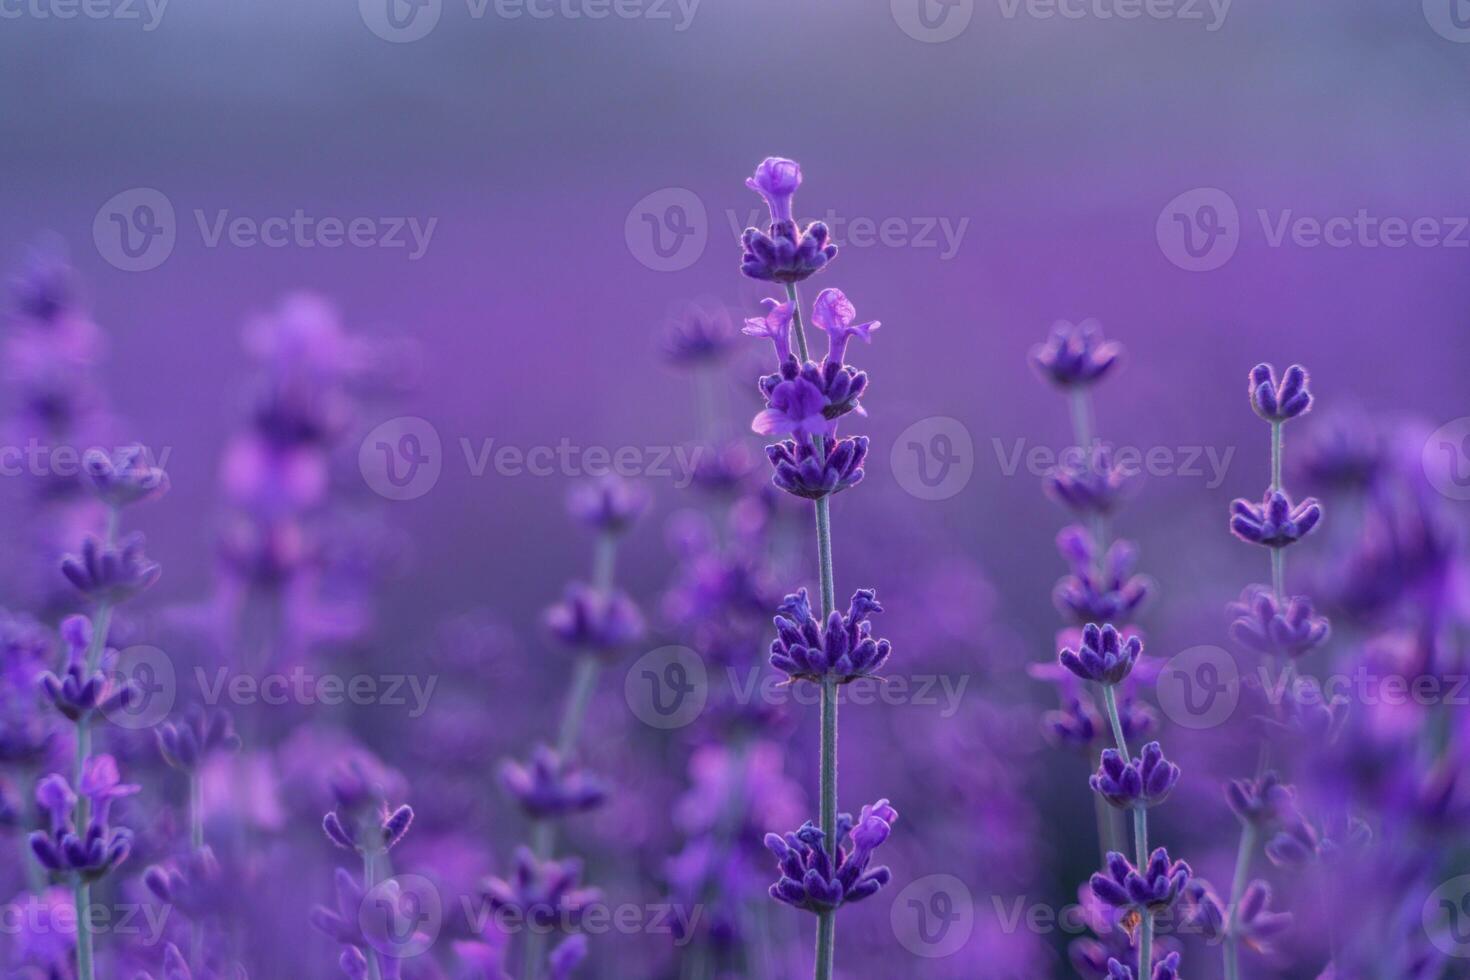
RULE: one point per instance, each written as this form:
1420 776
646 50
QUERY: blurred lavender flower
186 743
595 621
77 694
1094 486
193 885
111 573
699 336
1155 889
818 881
1261 624
1279 401
843 649
1263 802
802 471
1144 782
1276 522
549 786
775 326
610 504
785 254
99 849
542 892
796 407
833 313
1100 587
363 937
1075 355
1345 450
127 476
1103 655
1165 969
839 385
369 834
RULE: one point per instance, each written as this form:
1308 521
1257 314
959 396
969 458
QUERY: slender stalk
796 328
1276 455
1278 574
1081 404
1237 889
584 682
1110 701
374 972
1146 922
826 922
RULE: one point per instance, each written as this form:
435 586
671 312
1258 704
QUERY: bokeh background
579 178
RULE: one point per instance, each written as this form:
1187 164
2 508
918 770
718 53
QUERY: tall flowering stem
1267 622
823 866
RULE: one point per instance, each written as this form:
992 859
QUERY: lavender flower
784 253
193 887
77 694
542 892
1165 969
1279 401
1092 487
840 385
375 832
775 326
1254 922
611 504
1144 782
1103 655
833 313
185 744
802 471
1262 802
90 854
1263 625
699 336
817 881
796 407
601 622
128 476
1075 356
111 573
843 650
550 786
1276 522
365 936
1100 588
1155 889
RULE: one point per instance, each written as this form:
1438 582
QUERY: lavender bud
802 472
111 573
1263 625
1276 522
1103 655
1275 401
128 476
1075 356
843 648
1144 782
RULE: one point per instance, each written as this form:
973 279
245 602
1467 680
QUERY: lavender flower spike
843 650
803 472
1144 782
1155 889
598 622
1262 624
611 503
75 693
797 407
111 573
128 476
1276 522
1103 655
1281 401
1075 356
775 326
375 833
549 786
185 744
814 880
785 254
833 314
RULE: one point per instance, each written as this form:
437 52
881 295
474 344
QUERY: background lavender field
538 195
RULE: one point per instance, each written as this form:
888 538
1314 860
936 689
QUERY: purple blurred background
1032 167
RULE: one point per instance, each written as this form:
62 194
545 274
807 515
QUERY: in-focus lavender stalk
1270 623
824 865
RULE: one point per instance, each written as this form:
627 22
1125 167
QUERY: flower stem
1275 455
1110 701
1146 922
82 896
1278 574
374 973
826 922
1082 422
796 328
1237 889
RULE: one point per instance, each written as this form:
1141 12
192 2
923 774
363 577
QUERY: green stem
1110 701
1278 574
374 973
1237 888
584 682
1082 422
1146 921
826 922
1275 455
796 328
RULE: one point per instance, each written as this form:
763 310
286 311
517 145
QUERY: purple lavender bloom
785 253
843 650
801 472
98 850
833 313
1309 719
1276 522
550 786
1099 590
111 573
542 892
596 621
1254 922
1299 843
611 503
1103 655
812 879
1094 486
1155 889
128 476
77 694
373 832
1263 802
361 935
186 743
193 886
1144 782
45 287
1165 969
840 386
1075 356
775 326
776 179
1346 450
796 407
699 336
1281 401
1262 625
1078 724
1204 911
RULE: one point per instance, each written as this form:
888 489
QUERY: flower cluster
784 253
1145 781
1154 888
842 649
550 786
1103 656
821 879
90 852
